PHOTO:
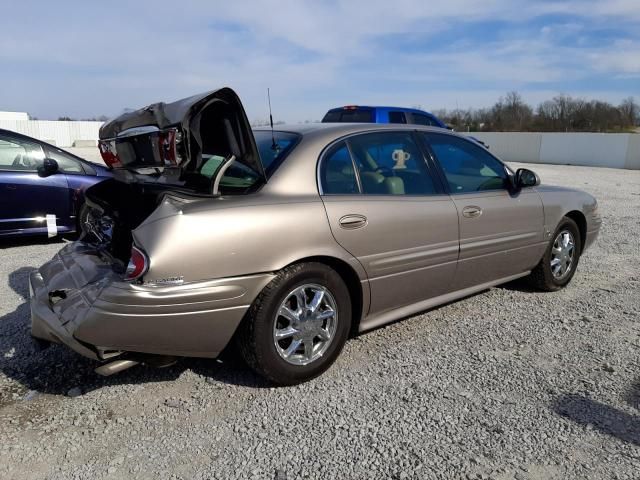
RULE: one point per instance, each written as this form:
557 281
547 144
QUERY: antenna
274 145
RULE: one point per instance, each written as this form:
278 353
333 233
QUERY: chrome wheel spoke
323 334
289 314
293 347
325 314
308 349
316 300
301 300
286 332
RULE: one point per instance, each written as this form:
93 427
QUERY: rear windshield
241 179
271 156
352 115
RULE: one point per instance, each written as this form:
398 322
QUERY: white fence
61 134
613 150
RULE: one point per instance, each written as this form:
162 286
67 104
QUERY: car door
501 231
388 209
29 202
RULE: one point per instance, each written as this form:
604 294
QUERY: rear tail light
109 153
141 147
138 264
167 144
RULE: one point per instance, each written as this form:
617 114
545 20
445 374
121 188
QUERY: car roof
341 129
381 107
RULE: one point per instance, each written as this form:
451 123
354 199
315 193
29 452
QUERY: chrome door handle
351 222
471 211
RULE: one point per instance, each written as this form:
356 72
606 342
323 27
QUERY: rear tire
559 262
283 337
83 214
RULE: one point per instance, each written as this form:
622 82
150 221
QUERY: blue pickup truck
366 114
362 114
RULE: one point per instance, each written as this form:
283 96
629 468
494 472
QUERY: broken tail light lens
141 147
109 153
167 144
138 264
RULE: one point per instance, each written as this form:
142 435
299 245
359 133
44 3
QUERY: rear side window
386 163
391 163
337 174
420 119
467 166
349 115
397 117
332 116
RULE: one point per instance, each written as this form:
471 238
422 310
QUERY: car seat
340 178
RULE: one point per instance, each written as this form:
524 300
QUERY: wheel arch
352 281
578 217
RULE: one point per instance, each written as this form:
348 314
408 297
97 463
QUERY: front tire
560 260
298 325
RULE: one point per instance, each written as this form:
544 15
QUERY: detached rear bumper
45 324
76 299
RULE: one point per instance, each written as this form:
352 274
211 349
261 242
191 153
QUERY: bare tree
629 112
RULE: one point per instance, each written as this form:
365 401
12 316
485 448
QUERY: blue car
361 114
42 187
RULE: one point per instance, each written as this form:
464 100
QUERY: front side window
391 163
19 155
468 167
66 163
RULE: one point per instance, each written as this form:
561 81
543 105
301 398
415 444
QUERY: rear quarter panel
228 237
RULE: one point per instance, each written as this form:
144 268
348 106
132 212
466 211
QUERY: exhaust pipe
115 367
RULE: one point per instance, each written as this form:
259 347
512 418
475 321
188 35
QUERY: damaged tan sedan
287 241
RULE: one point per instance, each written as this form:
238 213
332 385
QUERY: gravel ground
507 384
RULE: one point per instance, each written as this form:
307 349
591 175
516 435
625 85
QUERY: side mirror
49 167
526 178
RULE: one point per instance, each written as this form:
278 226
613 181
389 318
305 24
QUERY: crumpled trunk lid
181 135
176 149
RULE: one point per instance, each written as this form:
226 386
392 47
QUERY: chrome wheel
562 254
305 324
